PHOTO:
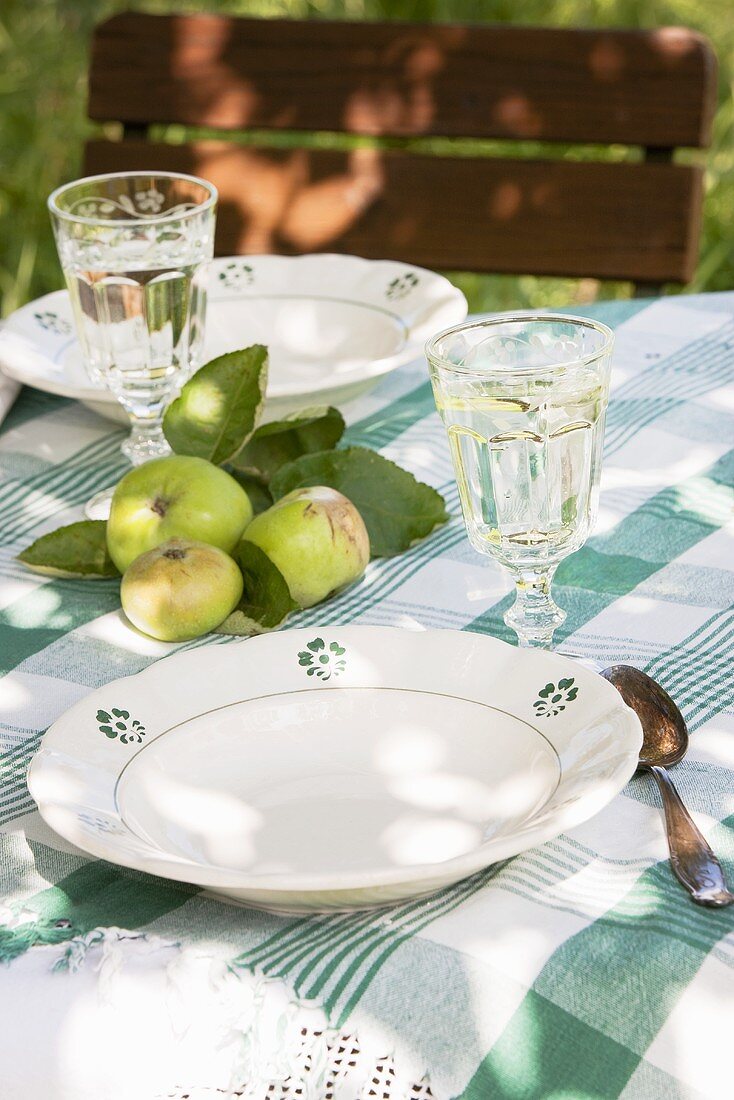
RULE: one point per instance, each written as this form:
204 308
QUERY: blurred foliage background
43 65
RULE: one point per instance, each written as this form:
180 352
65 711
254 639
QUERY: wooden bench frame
654 90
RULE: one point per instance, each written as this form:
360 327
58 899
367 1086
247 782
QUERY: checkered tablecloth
578 970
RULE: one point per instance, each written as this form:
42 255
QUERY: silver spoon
665 742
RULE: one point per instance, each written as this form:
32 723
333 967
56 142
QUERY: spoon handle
693 862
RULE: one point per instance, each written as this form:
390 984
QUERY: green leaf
266 601
218 408
397 509
79 550
281 441
259 494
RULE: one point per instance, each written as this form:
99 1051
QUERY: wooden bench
404 198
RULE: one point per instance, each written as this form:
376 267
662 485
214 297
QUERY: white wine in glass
523 399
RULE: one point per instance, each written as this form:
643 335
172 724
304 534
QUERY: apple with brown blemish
316 538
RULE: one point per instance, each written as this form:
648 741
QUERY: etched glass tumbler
523 399
134 248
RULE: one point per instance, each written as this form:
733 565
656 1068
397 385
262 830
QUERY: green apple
316 538
180 590
175 497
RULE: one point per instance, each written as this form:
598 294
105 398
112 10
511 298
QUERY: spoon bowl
664 729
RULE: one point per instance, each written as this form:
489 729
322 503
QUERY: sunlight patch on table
714 742
700 1021
14 589
34 701
710 500
655 477
41 611
722 398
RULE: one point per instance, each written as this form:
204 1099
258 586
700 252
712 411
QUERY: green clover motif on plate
552 699
321 660
236 275
117 723
51 322
401 286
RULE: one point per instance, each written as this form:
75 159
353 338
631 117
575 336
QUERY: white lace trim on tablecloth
196 1028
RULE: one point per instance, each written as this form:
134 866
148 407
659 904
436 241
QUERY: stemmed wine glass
523 399
134 247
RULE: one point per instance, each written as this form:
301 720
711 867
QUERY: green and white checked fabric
578 970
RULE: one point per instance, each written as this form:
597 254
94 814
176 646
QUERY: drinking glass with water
523 399
134 248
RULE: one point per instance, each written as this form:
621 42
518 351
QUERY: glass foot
98 506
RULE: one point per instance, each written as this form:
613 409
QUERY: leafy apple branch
217 416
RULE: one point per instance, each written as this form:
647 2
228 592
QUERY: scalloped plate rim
52 759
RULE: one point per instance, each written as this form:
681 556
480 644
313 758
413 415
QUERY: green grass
43 64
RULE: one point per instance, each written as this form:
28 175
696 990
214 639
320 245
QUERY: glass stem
534 615
146 440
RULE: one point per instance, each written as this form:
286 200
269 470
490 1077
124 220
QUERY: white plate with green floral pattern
341 767
333 325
